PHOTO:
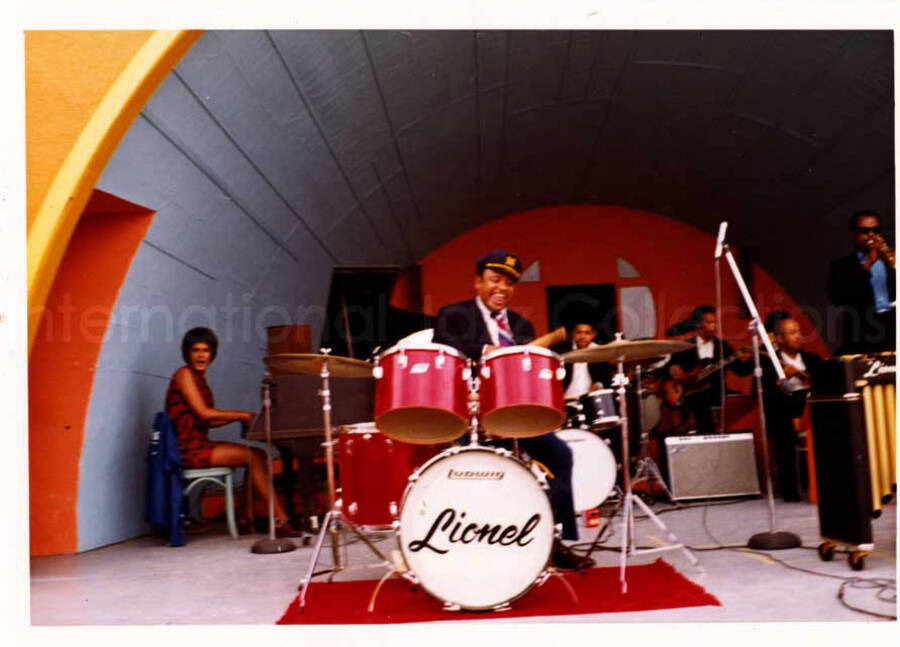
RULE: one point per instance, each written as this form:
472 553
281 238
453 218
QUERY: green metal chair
221 476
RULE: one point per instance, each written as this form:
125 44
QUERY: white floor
217 580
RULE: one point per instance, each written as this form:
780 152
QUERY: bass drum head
476 528
593 468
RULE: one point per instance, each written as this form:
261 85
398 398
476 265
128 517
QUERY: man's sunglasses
868 230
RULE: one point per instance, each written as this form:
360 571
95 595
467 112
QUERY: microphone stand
773 539
270 545
720 242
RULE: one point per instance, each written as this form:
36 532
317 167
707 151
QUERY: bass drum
476 528
593 468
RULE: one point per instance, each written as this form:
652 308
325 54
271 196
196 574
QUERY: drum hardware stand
773 539
629 543
270 545
646 468
335 521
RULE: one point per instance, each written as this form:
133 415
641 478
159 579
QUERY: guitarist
692 367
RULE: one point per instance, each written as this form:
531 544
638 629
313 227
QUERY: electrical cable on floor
885 586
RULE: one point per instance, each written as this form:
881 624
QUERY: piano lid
359 310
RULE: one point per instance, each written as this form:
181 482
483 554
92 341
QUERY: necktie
504 334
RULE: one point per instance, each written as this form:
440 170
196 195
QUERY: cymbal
311 364
627 351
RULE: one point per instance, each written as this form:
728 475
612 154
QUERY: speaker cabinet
721 465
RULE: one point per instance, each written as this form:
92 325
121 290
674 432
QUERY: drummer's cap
500 260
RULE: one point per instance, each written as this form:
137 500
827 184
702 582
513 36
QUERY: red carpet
650 586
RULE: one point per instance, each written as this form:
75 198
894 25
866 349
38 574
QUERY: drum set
473 522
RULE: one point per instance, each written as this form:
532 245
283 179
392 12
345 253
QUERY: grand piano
359 322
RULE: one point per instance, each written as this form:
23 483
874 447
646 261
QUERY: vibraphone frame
853 415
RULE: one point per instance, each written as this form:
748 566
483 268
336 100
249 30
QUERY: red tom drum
374 471
421 393
521 391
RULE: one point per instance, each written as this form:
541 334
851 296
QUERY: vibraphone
853 413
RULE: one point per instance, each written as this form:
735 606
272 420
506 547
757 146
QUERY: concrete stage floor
216 580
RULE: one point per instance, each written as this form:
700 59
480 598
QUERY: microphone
721 239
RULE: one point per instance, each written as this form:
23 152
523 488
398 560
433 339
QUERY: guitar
695 380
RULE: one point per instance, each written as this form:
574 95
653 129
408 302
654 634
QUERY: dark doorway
596 303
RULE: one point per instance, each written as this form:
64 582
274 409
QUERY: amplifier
720 465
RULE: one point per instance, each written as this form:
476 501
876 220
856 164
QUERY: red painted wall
579 244
62 362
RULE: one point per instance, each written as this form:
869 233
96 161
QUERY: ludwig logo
476 475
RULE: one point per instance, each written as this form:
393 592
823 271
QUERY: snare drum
476 528
374 472
600 409
421 393
521 391
593 468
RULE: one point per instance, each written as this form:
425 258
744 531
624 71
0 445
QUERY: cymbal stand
629 544
645 467
334 521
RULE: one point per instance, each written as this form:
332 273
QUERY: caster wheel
826 551
857 561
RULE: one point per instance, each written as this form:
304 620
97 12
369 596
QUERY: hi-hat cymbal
627 351
311 364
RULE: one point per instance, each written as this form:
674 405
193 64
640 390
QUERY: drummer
582 376
485 323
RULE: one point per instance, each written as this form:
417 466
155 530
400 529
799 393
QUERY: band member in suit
582 376
862 285
687 366
785 402
485 323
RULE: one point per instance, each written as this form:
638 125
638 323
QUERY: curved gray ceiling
782 133
409 138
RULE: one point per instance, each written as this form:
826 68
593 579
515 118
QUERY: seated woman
190 406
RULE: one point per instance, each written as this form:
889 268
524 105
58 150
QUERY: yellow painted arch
72 184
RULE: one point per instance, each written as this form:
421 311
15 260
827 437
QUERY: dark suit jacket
599 371
850 290
461 326
782 407
688 359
